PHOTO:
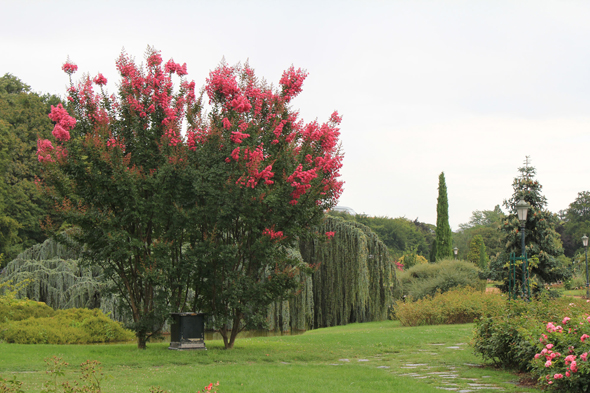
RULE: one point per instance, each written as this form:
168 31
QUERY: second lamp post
585 244
522 208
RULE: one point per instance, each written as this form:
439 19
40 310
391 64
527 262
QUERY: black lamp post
522 208
585 244
455 251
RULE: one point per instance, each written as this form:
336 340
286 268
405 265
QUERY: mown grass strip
373 357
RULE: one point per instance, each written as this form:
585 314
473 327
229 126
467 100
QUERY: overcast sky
465 87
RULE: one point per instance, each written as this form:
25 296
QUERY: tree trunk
141 340
228 342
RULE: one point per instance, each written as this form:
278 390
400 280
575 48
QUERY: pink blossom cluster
292 82
278 235
171 67
252 160
100 80
44 148
69 68
238 137
61 132
552 328
330 234
301 180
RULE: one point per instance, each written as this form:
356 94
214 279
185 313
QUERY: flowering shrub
561 362
510 337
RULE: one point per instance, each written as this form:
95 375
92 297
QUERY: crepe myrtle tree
197 220
265 178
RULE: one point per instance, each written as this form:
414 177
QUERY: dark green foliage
506 340
477 252
541 239
355 277
576 224
444 241
23 118
428 279
484 223
510 337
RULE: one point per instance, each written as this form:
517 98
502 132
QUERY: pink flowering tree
187 210
115 169
265 179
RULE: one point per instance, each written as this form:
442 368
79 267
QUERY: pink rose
558 376
548 363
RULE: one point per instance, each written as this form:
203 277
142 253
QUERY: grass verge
372 357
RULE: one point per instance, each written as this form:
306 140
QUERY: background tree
444 241
23 119
576 223
541 239
485 223
477 252
399 234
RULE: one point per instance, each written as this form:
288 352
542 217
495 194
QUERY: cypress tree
477 252
444 242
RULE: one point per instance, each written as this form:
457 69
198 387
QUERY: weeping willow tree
55 277
295 313
355 278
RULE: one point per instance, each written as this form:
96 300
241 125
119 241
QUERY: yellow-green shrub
47 326
18 310
461 305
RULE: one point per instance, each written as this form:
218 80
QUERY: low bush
459 305
431 278
562 359
511 337
30 322
18 310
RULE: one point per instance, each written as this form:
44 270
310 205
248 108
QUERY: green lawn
382 357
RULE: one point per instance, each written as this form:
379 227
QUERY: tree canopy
23 119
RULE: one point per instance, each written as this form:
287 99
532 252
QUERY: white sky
465 87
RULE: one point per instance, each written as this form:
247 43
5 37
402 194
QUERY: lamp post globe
455 251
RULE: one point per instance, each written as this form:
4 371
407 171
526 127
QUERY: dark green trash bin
187 331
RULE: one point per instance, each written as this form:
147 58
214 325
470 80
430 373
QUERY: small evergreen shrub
460 305
30 322
432 278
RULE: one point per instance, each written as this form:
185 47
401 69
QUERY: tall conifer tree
444 242
541 239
